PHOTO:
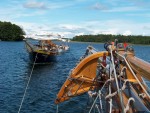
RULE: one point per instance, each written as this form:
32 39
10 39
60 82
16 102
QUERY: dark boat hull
41 58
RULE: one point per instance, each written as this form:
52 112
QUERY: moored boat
44 50
113 79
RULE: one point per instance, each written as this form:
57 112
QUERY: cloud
66 34
96 27
47 5
86 30
118 26
120 6
103 8
35 5
33 28
74 29
113 31
99 6
126 33
78 34
69 26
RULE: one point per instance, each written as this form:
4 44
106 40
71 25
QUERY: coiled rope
27 84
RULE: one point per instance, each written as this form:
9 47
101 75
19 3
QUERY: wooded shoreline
101 38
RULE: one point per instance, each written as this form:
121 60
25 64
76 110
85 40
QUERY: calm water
46 80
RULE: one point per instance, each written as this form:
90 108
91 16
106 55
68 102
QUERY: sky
78 17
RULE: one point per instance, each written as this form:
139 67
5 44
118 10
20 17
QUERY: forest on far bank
102 38
11 32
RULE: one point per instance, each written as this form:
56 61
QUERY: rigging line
117 84
134 74
76 82
99 95
93 104
100 101
27 84
57 109
78 88
98 108
110 73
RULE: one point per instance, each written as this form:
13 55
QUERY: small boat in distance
42 49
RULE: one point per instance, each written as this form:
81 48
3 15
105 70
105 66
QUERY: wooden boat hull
83 74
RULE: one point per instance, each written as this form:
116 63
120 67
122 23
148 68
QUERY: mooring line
27 84
57 109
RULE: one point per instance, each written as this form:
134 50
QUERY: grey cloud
35 5
72 29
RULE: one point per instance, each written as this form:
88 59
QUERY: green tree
10 32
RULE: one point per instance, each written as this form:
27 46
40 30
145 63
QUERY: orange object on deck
125 44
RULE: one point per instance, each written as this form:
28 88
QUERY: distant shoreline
83 42
103 43
86 42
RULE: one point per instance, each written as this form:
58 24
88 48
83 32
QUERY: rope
134 74
97 109
110 77
27 84
114 93
118 89
99 95
57 109
128 104
93 104
100 101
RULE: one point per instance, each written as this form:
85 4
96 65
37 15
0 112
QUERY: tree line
139 39
10 32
